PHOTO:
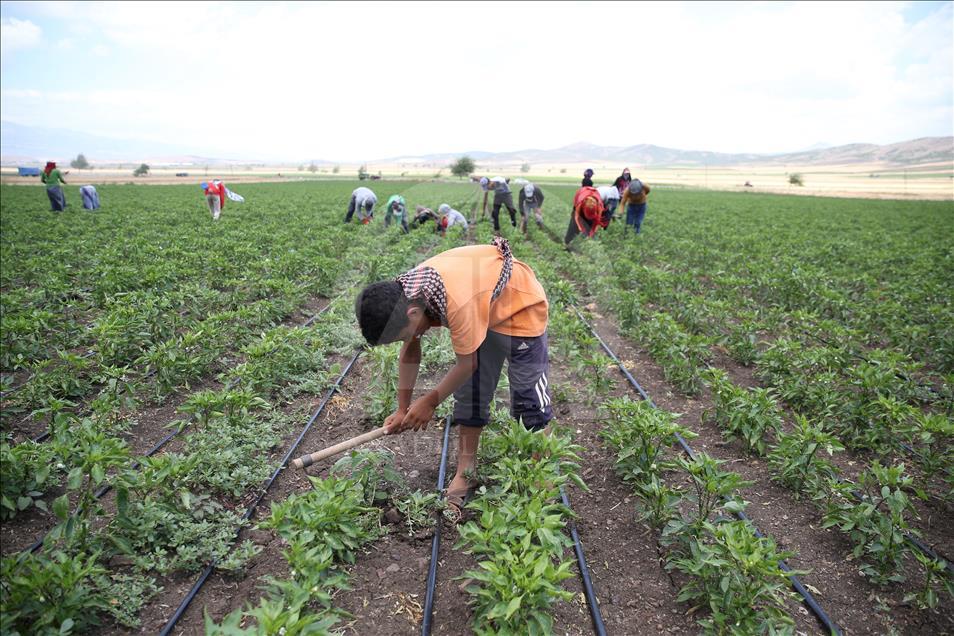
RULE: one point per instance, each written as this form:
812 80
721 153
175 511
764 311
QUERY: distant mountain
917 151
31 145
26 142
34 144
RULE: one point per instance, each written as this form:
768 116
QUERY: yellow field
934 181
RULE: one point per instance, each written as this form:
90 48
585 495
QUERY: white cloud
100 50
16 34
360 80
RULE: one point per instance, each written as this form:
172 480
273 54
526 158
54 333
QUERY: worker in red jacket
214 197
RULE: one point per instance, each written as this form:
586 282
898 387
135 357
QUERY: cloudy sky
355 81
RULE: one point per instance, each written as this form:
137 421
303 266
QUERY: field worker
495 310
396 208
362 200
90 197
634 202
610 198
622 181
214 197
502 197
587 216
587 178
530 202
449 217
422 215
52 177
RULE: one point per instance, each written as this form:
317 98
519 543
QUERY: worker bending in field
634 202
587 216
362 202
495 310
214 197
449 217
502 197
422 215
530 202
396 208
610 197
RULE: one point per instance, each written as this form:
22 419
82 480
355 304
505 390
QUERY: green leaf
513 606
61 507
75 479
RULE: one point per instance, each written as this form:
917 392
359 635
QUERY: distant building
28 172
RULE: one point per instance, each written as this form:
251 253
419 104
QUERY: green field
807 341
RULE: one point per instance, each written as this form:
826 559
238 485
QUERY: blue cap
204 185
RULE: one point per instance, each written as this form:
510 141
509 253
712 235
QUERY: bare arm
421 412
408 366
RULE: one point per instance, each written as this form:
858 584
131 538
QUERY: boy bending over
495 310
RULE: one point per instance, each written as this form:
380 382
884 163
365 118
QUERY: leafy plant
743 414
417 509
796 462
877 523
51 594
25 474
639 433
737 576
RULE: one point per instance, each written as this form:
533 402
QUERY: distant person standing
214 197
90 197
587 178
397 208
634 202
362 201
502 197
52 177
530 202
610 197
622 181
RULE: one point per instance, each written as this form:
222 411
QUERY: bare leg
468 439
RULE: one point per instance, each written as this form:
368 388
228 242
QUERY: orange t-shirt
470 274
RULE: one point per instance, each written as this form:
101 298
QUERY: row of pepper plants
325 528
724 566
852 393
176 511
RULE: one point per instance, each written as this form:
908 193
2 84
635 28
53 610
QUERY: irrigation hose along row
99 494
796 584
184 605
595 613
428 618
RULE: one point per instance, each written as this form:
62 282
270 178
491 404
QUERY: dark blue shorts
530 399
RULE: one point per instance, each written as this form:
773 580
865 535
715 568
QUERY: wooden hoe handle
307 460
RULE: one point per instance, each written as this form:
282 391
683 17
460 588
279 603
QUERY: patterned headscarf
426 285
503 246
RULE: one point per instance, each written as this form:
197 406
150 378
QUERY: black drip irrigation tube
99 494
807 597
592 602
184 605
428 619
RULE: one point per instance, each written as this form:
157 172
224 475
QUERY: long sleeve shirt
636 199
53 179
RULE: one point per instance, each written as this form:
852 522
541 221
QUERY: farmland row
178 497
734 416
